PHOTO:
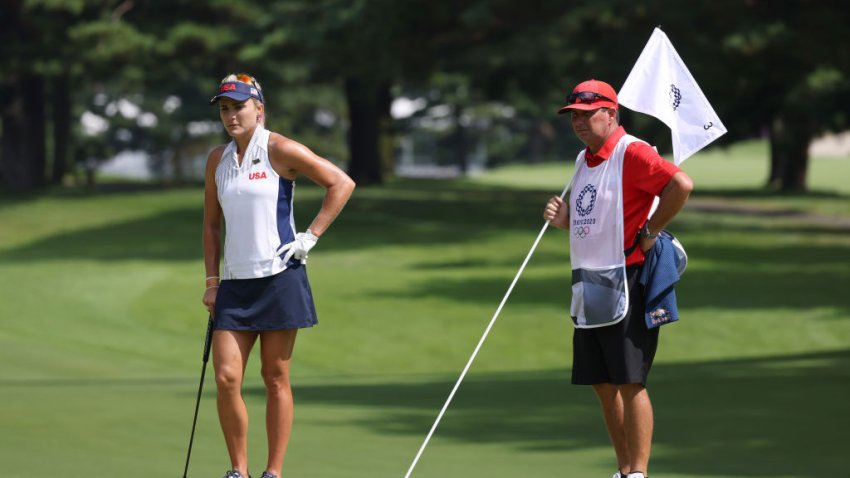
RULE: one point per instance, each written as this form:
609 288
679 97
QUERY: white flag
660 85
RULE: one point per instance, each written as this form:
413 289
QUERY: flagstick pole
481 342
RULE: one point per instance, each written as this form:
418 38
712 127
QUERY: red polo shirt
645 173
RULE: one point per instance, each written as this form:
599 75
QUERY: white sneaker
636 474
618 475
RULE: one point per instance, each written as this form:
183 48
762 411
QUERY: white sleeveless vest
600 294
257 206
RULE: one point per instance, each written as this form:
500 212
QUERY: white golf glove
304 241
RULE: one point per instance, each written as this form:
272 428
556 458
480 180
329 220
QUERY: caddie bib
600 294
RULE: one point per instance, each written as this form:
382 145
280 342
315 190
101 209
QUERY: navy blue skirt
281 301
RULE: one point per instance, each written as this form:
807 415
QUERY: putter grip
208 340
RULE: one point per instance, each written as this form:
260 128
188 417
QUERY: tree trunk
177 157
61 127
536 142
368 109
459 142
23 154
10 134
386 128
36 123
790 136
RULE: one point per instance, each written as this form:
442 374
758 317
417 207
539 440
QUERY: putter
207 344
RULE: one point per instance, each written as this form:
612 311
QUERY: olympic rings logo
580 209
581 231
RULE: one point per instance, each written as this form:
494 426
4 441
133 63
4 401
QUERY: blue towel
659 275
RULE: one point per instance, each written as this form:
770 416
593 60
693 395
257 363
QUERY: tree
48 46
369 46
58 55
349 44
23 153
197 43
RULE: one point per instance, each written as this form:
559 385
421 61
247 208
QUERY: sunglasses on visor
586 97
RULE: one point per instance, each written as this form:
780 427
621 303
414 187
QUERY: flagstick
481 342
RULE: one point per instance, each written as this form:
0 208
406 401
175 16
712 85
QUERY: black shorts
281 301
621 353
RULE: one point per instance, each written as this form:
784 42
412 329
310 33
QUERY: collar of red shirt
606 149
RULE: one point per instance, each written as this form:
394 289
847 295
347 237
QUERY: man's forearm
672 200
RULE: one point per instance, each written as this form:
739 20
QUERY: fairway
101 335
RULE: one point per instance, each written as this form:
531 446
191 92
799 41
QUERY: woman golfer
262 289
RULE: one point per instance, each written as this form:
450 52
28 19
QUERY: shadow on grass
766 193
410 213
100 190
740 277
170 235
750 418
420 218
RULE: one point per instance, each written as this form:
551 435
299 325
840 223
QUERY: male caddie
608 219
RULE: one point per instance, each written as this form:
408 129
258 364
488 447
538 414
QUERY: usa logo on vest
260 175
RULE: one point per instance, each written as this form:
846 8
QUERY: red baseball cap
591 95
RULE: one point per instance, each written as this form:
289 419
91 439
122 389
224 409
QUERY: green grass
729 174
101 332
